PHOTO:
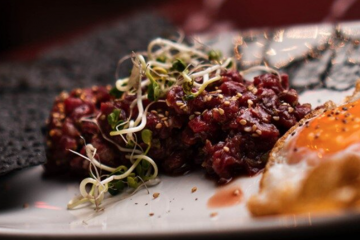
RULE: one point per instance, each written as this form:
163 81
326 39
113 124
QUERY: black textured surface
27 90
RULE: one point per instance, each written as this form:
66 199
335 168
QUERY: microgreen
113 118
115 92
214 55
178 65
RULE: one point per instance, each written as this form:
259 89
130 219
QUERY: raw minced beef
228 129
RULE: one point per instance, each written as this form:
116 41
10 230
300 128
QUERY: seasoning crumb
196 199
213 214
194 189
276 118
26 205
136 203
156 195
146 204
151 214
237 192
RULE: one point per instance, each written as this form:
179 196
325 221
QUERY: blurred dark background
29 27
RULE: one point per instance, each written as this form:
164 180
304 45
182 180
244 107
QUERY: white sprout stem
159 64
211 69
151 161
119 84
204 85
122 149
95 162
131 169
260 68
177 46
134 129
139 105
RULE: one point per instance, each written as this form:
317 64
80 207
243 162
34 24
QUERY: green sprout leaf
115 93
146 136
154 91
132 182
161 59
214 55
115 187
178 65
113 118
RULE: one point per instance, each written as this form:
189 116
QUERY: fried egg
315 166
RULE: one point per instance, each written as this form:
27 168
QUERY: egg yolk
332 131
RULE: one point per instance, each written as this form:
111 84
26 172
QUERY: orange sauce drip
332 131
226 197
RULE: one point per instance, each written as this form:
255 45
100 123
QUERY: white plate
34 206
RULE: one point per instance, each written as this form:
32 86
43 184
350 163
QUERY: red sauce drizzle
226 197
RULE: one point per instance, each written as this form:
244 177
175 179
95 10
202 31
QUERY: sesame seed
102 117
183 107
247 129
226 149
226 103
251 87
197 113
250 103
164 119
259 132
194 189
156 195
276 118
239 95
221 96
254 135
167 103
254 127
166 113
243 122
219 90
179 103
161 115
166 123
191 117
159 125
214 214
221 111
290 109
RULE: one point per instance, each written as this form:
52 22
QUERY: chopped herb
115 93
178 65
113 118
